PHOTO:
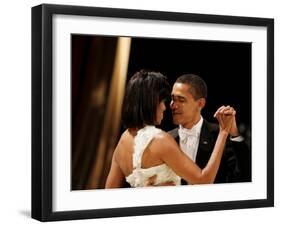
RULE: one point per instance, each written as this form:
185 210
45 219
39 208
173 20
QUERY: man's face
185 109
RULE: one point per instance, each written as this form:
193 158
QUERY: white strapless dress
139 177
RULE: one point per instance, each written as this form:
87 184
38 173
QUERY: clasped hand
226 118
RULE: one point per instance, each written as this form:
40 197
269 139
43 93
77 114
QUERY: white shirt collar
197 127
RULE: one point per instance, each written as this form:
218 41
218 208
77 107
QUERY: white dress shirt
189 139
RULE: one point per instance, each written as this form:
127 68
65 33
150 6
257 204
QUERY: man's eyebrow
179 96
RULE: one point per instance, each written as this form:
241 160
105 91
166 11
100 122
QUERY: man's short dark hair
198 87
144 92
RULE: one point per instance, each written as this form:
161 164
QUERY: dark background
224 66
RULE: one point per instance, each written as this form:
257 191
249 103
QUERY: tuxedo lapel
206 144
177 138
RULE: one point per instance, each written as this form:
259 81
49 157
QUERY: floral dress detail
140 177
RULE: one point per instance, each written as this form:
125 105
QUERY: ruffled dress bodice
139 176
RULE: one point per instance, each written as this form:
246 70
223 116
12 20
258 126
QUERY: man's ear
201 102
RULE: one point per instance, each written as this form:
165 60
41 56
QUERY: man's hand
226 117
227 109
234 130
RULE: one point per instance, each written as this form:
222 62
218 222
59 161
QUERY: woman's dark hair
144 92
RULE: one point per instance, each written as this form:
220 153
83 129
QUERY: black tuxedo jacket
236 160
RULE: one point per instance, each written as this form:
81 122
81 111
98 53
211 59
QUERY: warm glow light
111 124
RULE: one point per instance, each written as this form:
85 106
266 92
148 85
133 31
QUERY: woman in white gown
146 155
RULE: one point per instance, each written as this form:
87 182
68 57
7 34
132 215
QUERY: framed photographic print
82 60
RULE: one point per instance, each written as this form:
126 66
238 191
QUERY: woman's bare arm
115 178
183 166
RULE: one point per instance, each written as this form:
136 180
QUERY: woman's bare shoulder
162 135
123 140
165 141
125 136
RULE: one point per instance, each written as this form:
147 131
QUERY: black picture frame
42 111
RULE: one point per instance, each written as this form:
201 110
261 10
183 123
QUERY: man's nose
172 105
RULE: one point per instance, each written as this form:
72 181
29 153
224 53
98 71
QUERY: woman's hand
151 182
225 116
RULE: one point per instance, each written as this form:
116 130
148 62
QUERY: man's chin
176 122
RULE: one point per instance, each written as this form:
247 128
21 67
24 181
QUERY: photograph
138 112
98 104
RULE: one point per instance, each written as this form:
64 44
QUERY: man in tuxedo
197 137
